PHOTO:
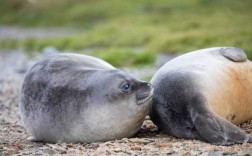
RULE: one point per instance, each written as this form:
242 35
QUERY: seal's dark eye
126 87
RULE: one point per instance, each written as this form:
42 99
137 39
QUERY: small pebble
39 153
135 148
229 153
137 140
117 150
44 148
49 151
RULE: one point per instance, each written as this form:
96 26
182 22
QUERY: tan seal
202 94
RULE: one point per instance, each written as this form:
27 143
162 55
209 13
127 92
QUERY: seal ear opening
213 129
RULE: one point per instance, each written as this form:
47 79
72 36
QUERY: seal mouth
144 100
144 93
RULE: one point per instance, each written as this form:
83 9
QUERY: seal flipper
216 130
234 54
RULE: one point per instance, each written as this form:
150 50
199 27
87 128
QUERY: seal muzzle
144 93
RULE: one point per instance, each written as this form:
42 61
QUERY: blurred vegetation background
132 32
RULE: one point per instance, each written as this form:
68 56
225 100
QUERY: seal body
78 98
202 94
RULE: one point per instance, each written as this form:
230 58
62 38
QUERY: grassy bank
157 26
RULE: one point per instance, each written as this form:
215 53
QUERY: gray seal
203 94
77 98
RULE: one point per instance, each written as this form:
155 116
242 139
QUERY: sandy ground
148 141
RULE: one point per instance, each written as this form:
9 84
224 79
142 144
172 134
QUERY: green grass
125 57
147 78
155 26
